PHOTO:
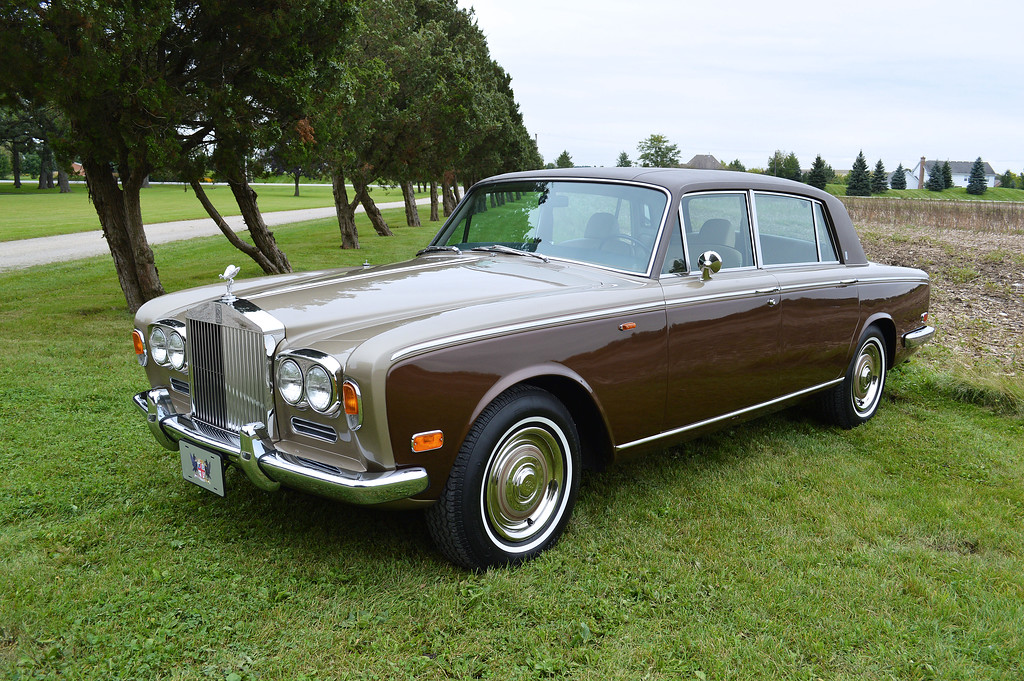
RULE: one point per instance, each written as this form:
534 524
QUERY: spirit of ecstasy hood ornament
229 277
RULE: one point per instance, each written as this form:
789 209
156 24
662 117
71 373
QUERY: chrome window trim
648 273
715 419
496 331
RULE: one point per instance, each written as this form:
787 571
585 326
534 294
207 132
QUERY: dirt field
977 303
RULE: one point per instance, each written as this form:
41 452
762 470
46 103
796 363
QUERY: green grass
780 549
953 194
29 212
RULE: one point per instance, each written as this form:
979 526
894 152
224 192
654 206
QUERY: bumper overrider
268 468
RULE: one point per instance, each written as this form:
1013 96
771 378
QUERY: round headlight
176 350
289 381
158 345
319 391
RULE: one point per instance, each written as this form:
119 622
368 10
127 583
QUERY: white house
918 176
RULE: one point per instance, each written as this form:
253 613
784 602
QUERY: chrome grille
229 370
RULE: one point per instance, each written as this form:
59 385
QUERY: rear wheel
513 485
856 399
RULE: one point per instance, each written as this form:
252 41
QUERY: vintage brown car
558 320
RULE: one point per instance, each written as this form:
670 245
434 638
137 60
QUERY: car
558 321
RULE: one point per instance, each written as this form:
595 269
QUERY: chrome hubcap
524 483
867 378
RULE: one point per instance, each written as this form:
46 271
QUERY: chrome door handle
765 291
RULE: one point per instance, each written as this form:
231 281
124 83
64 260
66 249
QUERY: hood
354 304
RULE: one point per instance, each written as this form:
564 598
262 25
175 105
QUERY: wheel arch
887 327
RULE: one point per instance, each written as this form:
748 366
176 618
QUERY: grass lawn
780 549
29 212
952 194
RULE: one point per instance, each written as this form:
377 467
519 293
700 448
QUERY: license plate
202 467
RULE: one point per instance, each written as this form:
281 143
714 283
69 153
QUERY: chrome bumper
269 468
917 338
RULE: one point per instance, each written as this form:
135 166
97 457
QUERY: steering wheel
639 247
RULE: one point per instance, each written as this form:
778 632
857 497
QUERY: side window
785 225
718 222
825 245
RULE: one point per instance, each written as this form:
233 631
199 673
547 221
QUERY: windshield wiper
498 248
438 249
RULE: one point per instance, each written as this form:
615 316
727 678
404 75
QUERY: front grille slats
229 371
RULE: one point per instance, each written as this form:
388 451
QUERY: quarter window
825 246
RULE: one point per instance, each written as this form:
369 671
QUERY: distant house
77 169
703 162
918 176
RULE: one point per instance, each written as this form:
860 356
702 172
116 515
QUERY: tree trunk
245 197
120 216
346 211
433 201
62 181
44 169
412 215
296 185
449 199
145 182
372 212
237 242
16 164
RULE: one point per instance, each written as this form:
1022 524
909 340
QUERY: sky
740 79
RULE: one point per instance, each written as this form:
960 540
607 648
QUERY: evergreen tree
818 176
623 161
858 182
879 178
976 183
564 160
899 178
936 182
947 176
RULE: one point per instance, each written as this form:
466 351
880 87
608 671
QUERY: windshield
607 224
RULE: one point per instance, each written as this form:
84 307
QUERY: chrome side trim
917 338
458 339
892 280
738 412
269 468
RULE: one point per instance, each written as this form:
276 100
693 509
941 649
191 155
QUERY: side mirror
709 262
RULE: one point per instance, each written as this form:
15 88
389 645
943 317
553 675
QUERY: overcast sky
740 79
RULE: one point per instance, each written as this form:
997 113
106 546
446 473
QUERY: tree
656 152
899 178
879 178
784 164
936 180
820 174
564 160
1007 179
5 163
623 161
737 165
858 182
977 184
947 176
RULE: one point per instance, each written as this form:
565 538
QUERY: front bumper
268 468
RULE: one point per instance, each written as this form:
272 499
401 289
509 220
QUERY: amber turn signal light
350 398
140 346
425 442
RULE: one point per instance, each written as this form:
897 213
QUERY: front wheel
513 485
856 399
